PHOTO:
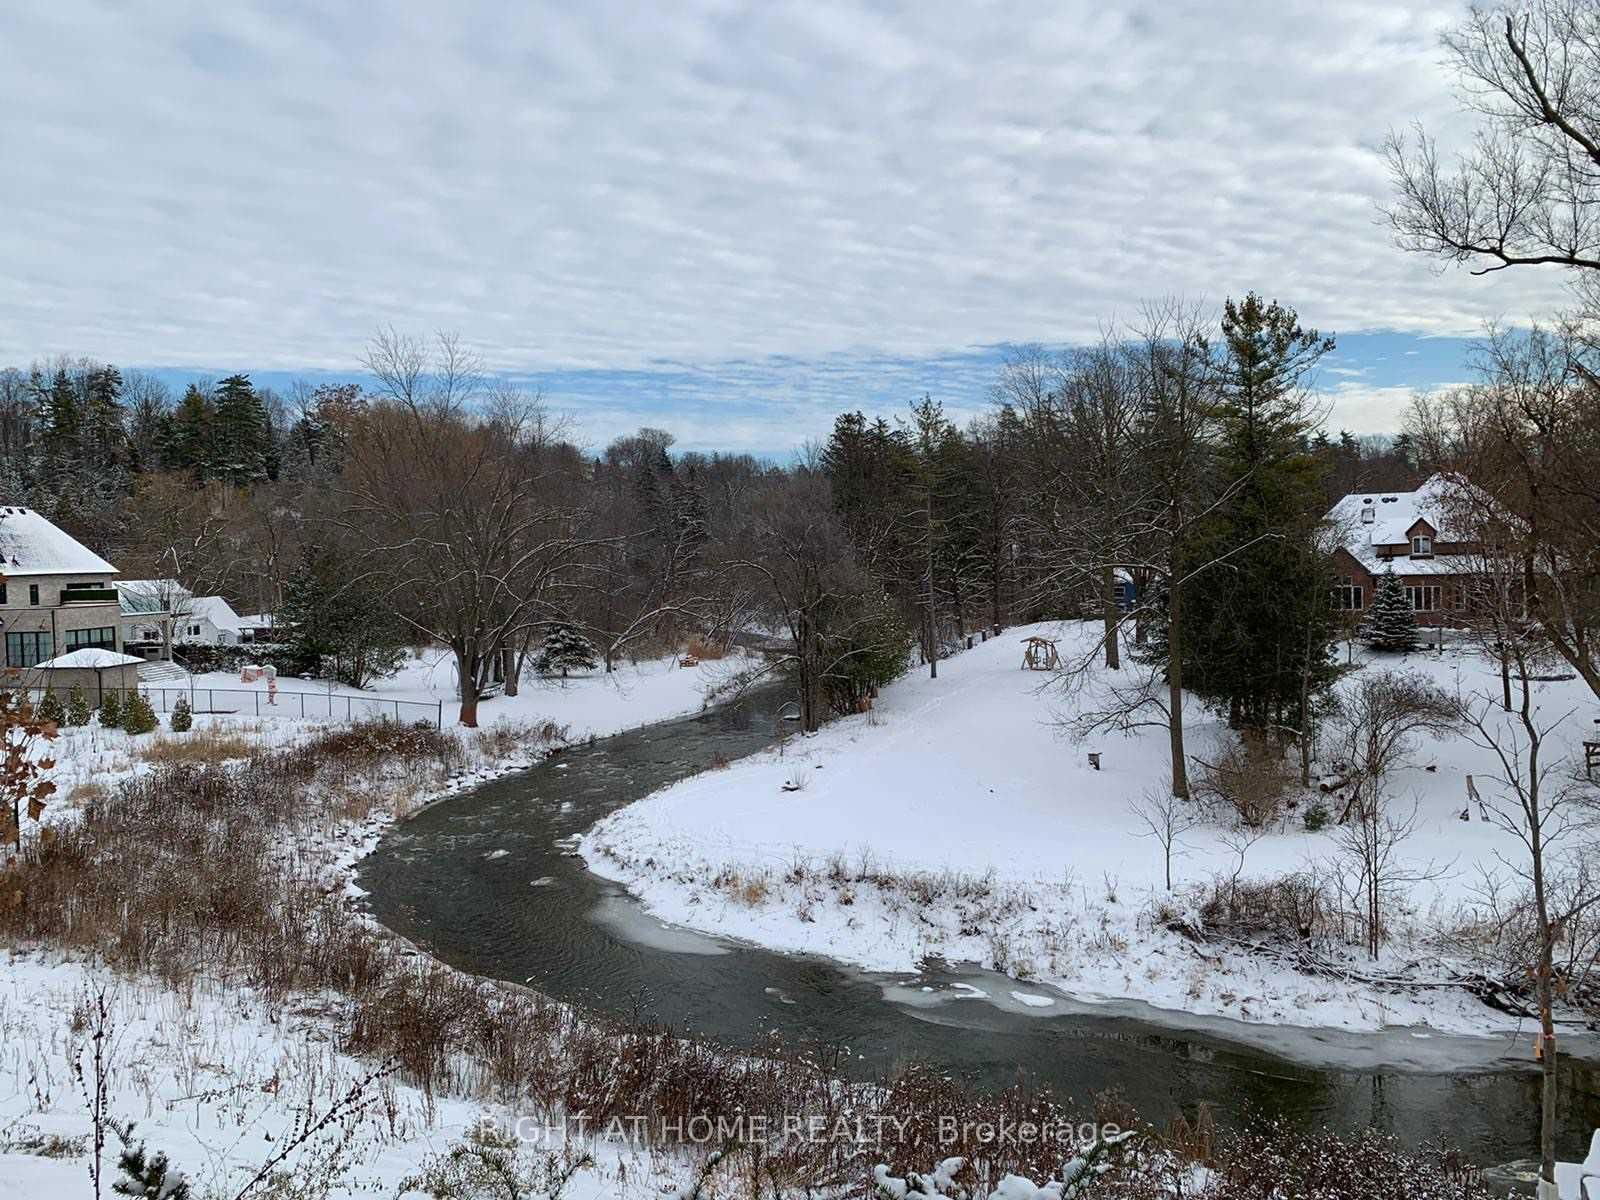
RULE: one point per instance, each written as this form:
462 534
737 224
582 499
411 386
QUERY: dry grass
199 747
86 793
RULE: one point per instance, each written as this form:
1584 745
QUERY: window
33 593
1347 596
1424 597
27 649
105 638
1422 546
194 631
2 593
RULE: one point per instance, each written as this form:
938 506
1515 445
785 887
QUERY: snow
957 821
1394 513
212 1076
90 657
31 545
216 1081
589 704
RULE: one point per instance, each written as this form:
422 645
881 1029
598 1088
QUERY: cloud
613 187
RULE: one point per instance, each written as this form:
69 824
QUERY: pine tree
51 709
1391 625
186 434
150 1177
182 716
1257 623
241 441
61 416
137 714
77 707
564 649
111 709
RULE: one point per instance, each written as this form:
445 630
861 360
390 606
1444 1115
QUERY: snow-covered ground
214 1078
590 703
956 820
221 1085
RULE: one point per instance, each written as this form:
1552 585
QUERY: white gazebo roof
92 657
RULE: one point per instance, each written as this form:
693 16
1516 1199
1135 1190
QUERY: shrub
1251 777
182 716
1317 817
1289 908
565 649
111 709
51 709
137 714
77 707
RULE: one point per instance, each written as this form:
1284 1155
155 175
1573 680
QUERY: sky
730 220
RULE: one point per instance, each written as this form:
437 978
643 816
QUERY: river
488 882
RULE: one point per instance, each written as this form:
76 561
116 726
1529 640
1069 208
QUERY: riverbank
956 821
224 1062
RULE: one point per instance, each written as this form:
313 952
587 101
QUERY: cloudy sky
729 219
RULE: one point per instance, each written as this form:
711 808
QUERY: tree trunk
508 668
467 676
1180 771
1109 616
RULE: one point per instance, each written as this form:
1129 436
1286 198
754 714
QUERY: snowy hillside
958 820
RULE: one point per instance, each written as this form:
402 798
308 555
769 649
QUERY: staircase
162 673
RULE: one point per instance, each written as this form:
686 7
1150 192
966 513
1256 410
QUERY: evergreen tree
182 719
51 708
61 416
111 709
564 649
186 434
104 434
336 625
1258 620
1391 624
241 439
77 707
149 1177
138 716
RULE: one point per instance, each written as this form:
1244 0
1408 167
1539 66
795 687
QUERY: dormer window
1368 514
1422 546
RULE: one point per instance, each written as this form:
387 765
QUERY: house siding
50 616
1346 566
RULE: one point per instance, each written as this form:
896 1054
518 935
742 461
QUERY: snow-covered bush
111 709
1075 1179
137 714
77 707
182 716
565 649
148 1176
51 709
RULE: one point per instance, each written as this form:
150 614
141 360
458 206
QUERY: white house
156 611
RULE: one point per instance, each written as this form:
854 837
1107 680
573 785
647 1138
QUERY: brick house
1413 535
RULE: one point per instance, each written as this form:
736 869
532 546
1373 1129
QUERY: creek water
488 882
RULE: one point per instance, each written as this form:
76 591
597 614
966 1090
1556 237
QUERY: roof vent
1368 514
1389 499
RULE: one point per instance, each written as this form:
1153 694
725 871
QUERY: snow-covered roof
30 545
1370 520
216 610
92 657
143 597
256 621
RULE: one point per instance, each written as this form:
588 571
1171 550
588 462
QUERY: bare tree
450 505
1166 818
1528 192
1553 819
